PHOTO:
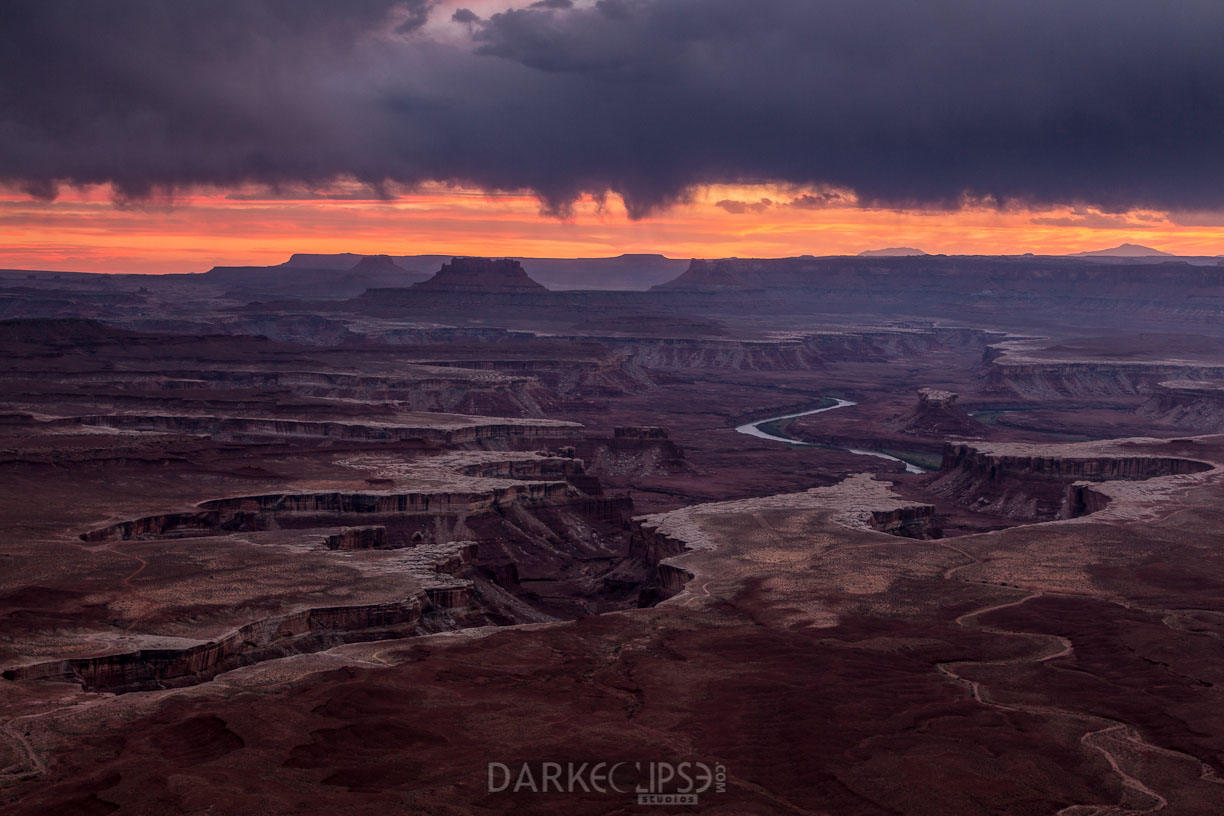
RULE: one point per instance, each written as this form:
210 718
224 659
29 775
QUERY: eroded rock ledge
1045 482
432 590
1197 405
487 537
438 428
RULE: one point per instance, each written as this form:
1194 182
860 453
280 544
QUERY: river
754 429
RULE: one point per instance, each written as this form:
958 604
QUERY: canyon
894 534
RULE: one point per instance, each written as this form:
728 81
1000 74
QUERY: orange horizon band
85 230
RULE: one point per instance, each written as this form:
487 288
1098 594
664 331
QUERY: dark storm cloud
1114 103
821 200
740 207
1090 219
149 94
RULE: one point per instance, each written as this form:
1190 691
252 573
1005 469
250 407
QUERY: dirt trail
36 765
1106 731
127 581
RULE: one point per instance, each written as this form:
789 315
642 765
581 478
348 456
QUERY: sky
142 136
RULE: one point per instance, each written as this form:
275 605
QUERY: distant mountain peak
1124 251
891 252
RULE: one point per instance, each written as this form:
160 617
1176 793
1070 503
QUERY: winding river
754 429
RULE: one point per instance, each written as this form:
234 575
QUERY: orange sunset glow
88 230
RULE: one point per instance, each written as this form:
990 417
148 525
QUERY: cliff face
248 513
672 353
358 538
266 639
203 522
632 452
249 426
912 521
456 484
220 392
1032 486
640 432
1054 379
937 415
305 630
535 468
800 352
480 275
1195 405
653 546
554 381
445 501
514 538
536 541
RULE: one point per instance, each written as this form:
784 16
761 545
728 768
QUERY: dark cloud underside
1115 103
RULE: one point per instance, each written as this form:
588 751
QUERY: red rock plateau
892 535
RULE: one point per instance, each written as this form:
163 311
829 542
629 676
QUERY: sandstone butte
480 275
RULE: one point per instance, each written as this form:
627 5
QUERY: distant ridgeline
970 287
984 291
620 273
